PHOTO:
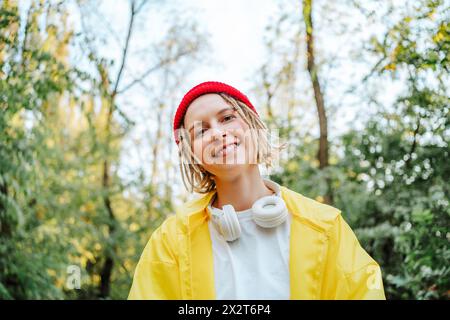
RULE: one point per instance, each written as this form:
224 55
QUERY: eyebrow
221 111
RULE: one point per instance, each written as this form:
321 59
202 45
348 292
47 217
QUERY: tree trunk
107 268
318 96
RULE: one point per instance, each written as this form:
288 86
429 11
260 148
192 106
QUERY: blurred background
89 168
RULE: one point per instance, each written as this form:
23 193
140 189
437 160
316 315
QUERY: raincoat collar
198 205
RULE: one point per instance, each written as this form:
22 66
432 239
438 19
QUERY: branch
152 69
84 27
125 49
414 144
25 38
139 7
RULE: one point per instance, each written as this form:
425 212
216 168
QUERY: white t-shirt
256 265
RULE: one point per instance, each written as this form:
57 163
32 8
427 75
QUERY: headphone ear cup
228 223
269 212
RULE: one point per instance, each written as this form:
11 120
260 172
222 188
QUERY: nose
217 132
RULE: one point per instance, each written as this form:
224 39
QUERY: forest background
89 168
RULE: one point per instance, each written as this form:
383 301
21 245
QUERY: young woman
247 237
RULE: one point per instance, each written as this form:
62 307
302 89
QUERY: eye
200 132
228 117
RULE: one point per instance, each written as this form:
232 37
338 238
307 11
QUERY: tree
33 76
401 157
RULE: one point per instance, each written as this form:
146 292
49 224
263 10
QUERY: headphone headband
267 212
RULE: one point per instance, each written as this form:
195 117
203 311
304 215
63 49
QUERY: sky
237 29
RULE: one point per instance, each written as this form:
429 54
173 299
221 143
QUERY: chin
227 171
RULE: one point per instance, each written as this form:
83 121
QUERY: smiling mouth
227 149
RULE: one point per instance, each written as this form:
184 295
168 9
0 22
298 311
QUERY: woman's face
220 138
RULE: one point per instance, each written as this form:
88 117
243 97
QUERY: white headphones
267 212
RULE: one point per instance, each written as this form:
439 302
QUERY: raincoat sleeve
156 276
351 273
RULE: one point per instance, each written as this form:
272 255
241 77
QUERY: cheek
239 129
248 149
242 125
202 151
197 148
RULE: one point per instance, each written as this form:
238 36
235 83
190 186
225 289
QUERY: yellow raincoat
326 260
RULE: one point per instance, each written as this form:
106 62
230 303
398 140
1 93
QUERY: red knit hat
201 89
